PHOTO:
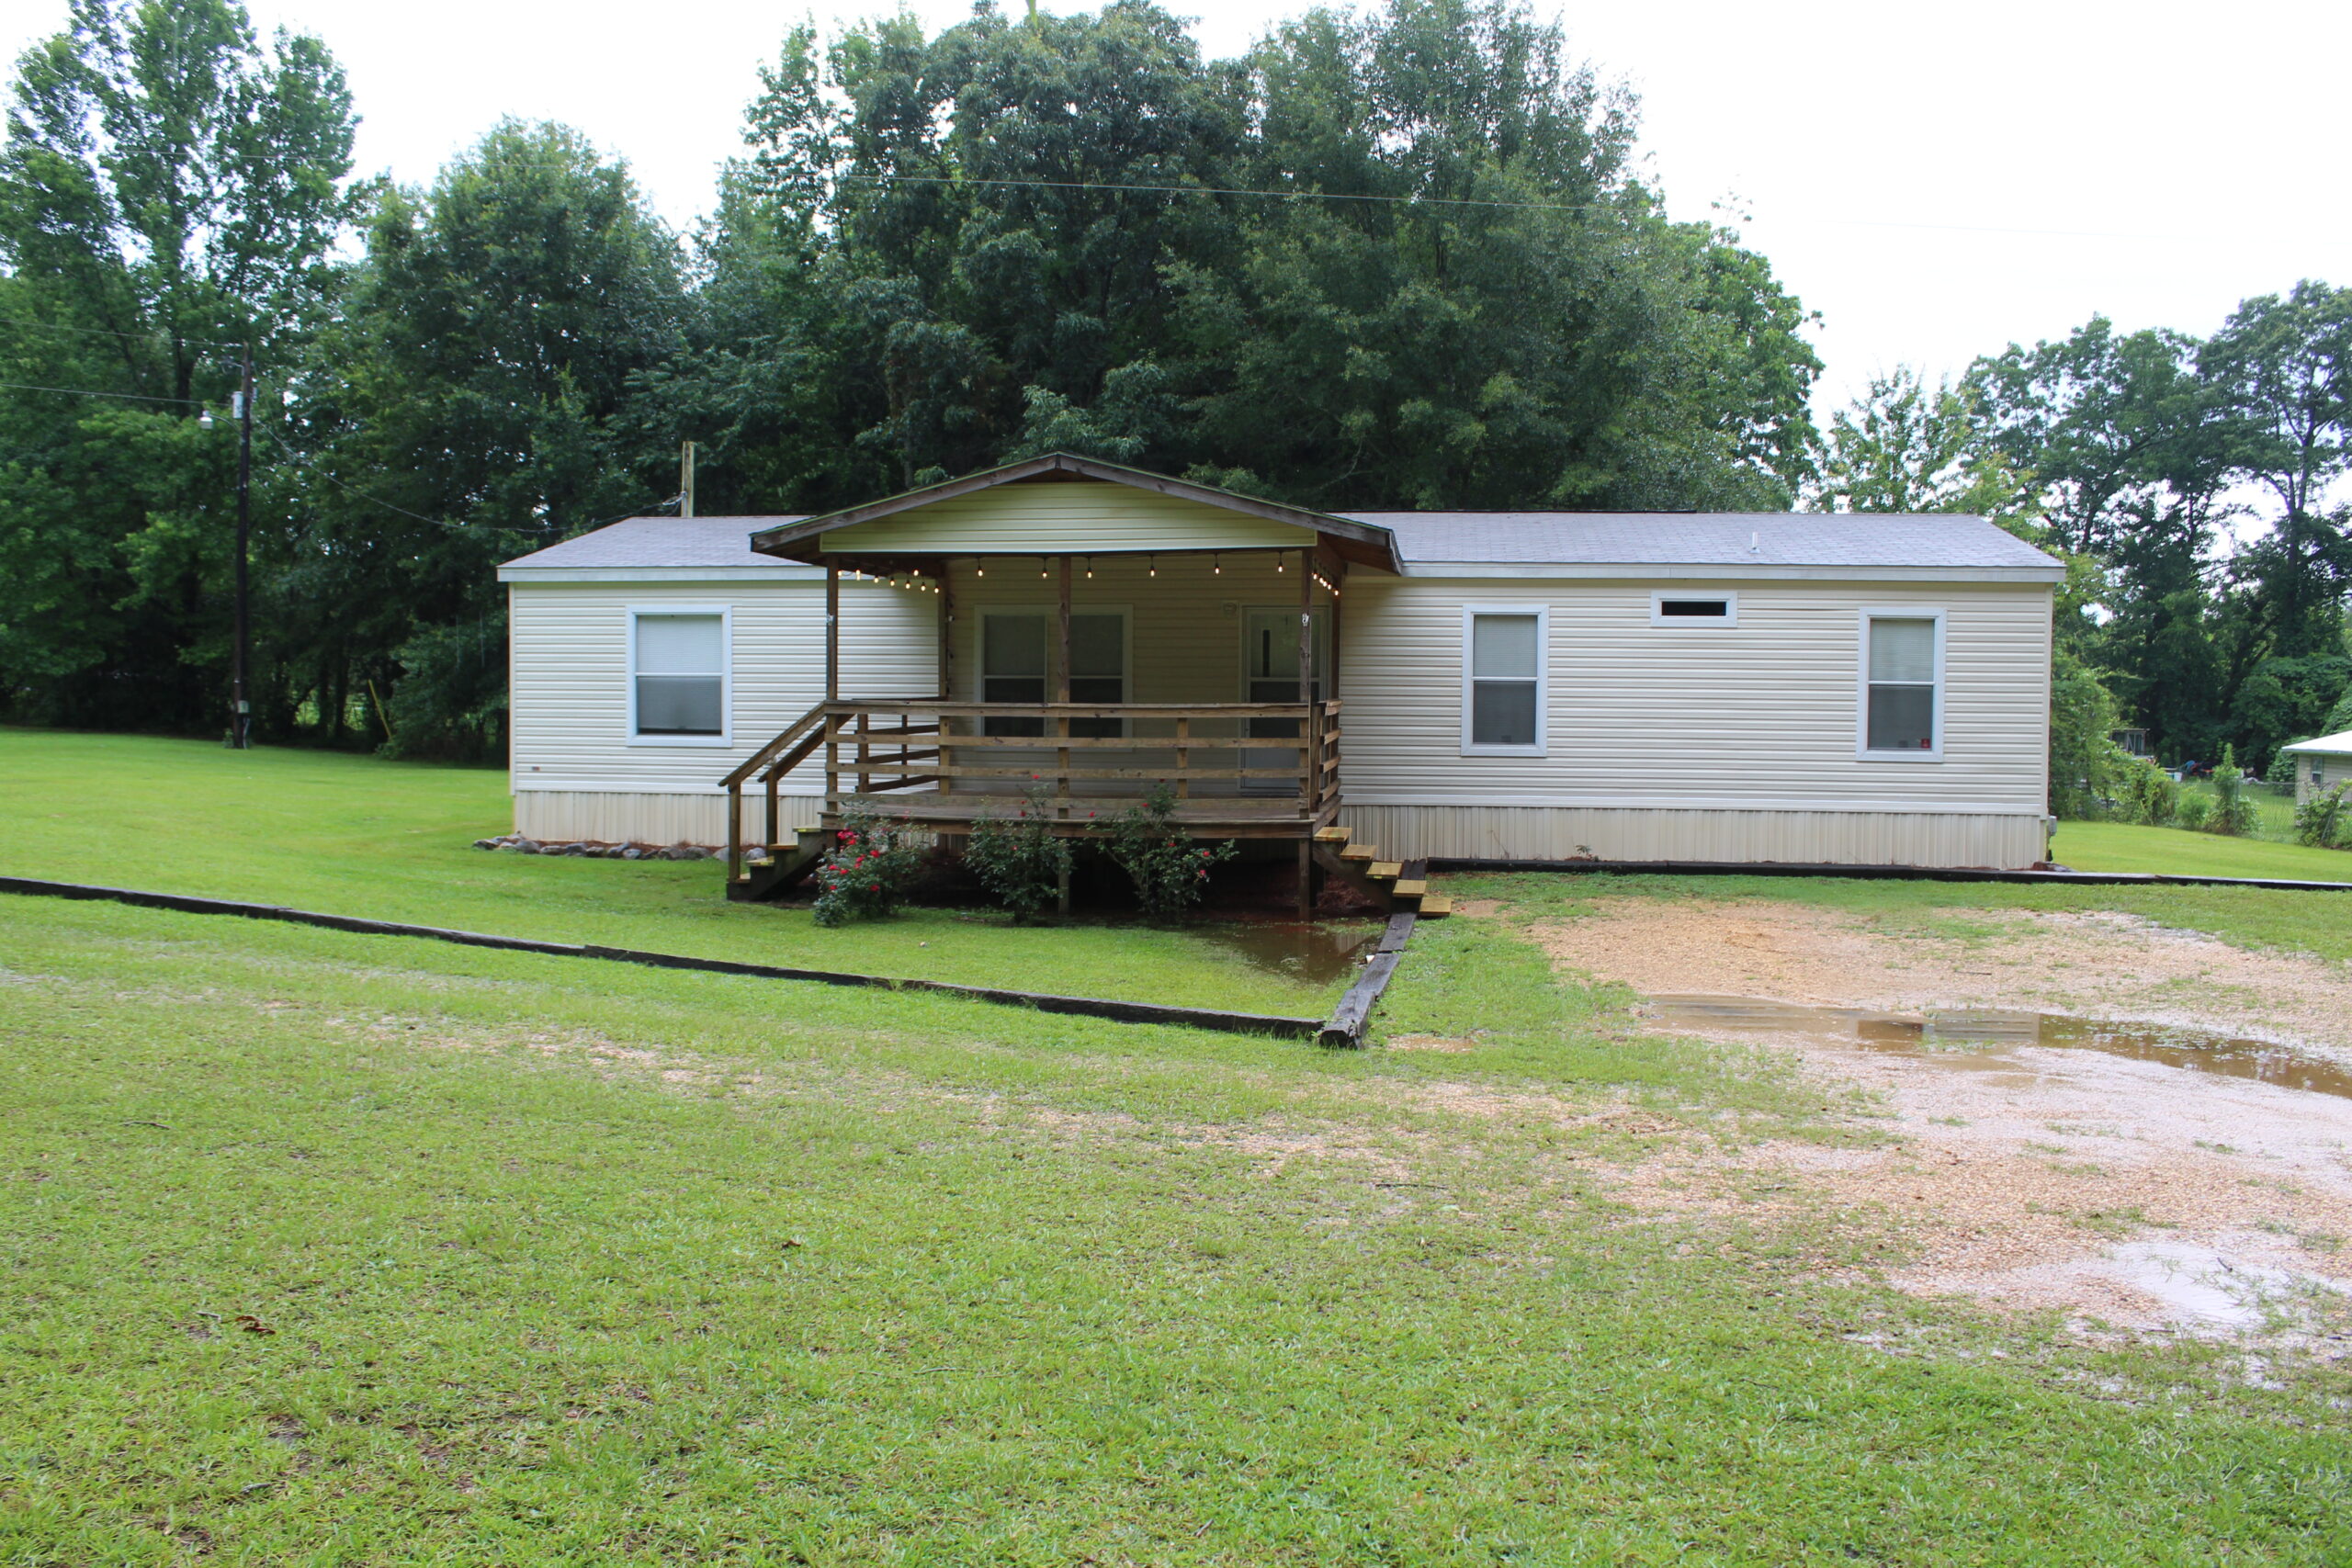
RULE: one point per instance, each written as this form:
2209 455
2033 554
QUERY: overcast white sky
1935 180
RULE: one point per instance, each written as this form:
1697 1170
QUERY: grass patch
2118 846
2316 923
391 840
565 1262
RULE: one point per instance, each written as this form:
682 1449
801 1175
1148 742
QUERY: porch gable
1063 505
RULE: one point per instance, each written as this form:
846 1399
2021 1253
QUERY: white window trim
1694 623
1543 613
1862 752
726 736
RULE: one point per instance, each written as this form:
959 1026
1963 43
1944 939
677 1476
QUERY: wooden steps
776 869
1399 887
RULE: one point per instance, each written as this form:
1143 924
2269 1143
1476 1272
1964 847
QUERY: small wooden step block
1435 906
1386 870
1411 887
1332 835
1361 852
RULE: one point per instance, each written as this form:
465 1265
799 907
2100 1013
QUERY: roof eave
1735 570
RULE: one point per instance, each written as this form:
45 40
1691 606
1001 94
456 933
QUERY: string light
1154 560
1090 569
1044 569
1218 563
1278 563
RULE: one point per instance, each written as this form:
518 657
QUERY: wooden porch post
1309 734
947 672
832 678
1061 784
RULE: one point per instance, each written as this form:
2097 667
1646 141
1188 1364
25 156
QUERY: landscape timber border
1344 1027
1884 872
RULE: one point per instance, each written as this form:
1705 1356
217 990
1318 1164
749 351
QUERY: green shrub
1170 870
2142 791
867 872
2082 758
2325 821
1018 859
2194 812
2233 812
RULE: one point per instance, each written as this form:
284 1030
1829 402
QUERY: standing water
1986 1039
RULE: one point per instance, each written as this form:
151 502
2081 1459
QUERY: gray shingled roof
664 541
1592 538
1705 538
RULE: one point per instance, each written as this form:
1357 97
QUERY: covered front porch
1097 639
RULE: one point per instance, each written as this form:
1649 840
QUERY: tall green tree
1472 302
169 191
477 400
2284 365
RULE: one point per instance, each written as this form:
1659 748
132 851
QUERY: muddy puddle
1311 955
1986 1040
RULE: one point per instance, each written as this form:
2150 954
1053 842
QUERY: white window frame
1659 617
1869 612
1543 613
726 736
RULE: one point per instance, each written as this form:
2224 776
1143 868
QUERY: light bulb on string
1090 569
1153 562
1216 565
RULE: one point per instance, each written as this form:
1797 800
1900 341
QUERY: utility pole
241 709
686 479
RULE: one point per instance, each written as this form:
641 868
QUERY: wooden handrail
883 761
792 732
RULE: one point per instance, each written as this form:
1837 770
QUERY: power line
1470 201
1230 190
309 467
307 464
92 392
152 334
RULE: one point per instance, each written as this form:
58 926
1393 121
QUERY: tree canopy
1394 258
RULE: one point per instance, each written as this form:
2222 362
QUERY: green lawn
563 1262
568 1263
2115 846
388 841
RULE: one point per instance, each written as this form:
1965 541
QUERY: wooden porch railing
933 760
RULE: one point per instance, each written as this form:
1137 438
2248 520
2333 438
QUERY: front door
1269 674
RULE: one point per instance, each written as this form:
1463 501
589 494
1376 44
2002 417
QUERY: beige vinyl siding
1761 716
614 816
571 676
2002 839
1061 519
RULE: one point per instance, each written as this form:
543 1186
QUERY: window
1016 666
678 677
1502 678
1903 663
1668 609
